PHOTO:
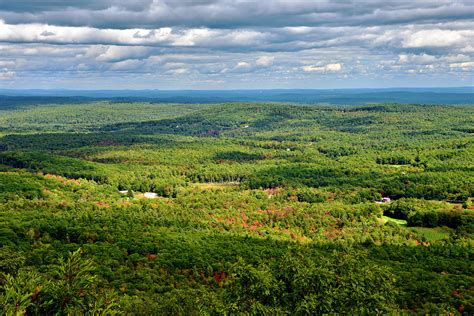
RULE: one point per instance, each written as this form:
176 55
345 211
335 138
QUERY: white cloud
32 33
178 71
6 63
465 66
6 74
194 36
326 68
237 41
119 53
457 58
420 59
435 38
265 61
129 64
162 37
243 64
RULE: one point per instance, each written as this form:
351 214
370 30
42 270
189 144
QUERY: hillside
260 208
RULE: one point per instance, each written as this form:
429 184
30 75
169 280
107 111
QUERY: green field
429 234
400 222
433 234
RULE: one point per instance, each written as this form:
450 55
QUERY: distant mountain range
457 95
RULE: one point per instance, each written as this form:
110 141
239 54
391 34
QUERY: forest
111 207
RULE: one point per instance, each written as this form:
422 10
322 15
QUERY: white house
150 195
384 200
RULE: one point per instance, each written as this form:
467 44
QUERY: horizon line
263 89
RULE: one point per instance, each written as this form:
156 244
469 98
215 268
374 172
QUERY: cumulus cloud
465 66
6 74
436 38
265 61
163 37
119 53
34 33
420 59
127 65
238 42
326 68
6 63
243 64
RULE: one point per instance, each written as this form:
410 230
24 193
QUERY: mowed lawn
430 234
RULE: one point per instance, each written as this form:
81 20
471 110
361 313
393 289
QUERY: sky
235 44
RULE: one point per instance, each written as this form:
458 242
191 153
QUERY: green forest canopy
262 208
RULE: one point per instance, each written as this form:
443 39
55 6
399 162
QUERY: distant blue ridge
442 95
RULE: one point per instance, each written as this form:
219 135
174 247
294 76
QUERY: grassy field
432 234
400 222
428 233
